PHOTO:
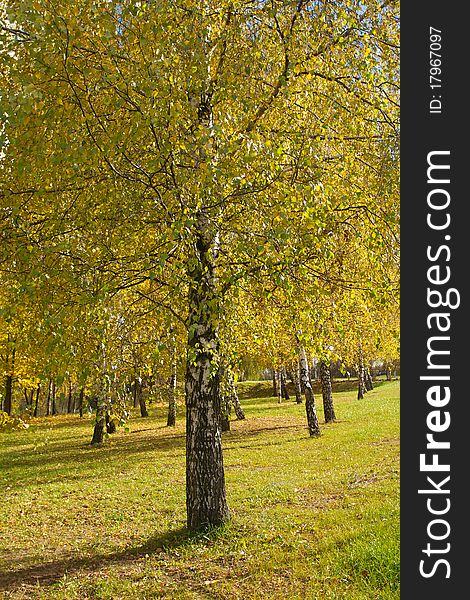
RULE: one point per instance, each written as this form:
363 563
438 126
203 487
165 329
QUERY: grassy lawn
311 518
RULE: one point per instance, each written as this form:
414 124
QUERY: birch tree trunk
327 392
361 388
235 401
206 502
312 419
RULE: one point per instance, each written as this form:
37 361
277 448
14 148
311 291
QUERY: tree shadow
52 572
56 455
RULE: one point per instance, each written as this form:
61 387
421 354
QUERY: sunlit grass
311 518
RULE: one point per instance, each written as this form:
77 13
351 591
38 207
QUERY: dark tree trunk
54 407
10 364
98 431
312 419
171 421
110 424
7 401
80 402
274 382
206 502
284 390
141 400
327 392
36 404
368 380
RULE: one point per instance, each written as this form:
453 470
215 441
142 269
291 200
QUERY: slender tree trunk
296 382
388 371
312 419
36 404
284 390
171 421
274 382
8 398
141 399
368 380
235 401
361 388
327 392
54 407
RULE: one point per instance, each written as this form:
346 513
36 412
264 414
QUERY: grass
311 518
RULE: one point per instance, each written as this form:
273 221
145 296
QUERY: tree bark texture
361 388
312 419
234 400
98 431
206 502
327 392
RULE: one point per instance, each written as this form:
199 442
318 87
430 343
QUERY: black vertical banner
435 499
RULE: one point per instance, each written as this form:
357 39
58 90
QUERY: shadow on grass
52 572
53 460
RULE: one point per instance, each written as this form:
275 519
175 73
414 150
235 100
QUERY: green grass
311 518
